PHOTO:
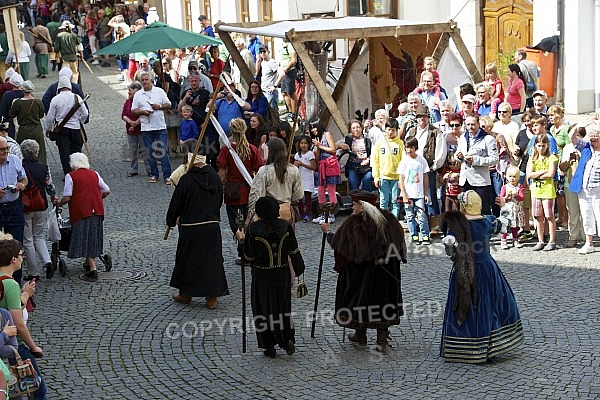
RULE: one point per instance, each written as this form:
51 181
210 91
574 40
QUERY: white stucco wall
579 56
545 20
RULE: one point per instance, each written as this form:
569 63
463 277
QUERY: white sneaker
331 219
319 220
95 62
504 245
586 249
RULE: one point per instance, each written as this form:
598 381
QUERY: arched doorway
508 25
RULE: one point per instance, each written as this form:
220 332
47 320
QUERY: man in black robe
368 248
195 208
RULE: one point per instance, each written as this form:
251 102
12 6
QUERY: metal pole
314 316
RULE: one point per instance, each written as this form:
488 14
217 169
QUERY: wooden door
508 26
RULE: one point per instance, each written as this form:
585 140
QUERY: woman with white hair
29 112
84 191
34 244
8 97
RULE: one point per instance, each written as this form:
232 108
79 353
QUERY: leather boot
359 337
211 303
382 340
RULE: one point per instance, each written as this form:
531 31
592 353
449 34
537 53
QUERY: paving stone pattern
128 340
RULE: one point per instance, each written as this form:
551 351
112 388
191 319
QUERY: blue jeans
356 179
416 217
433 207
497 187
272 98
12 221
156 143
388 193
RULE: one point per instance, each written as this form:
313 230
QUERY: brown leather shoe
211 303
181 298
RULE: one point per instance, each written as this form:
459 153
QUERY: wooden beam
313 73
339 87
237 58
396 31
245 25
441 46
466 56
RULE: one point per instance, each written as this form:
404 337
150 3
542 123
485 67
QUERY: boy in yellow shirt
385 158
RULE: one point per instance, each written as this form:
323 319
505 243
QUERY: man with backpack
530 72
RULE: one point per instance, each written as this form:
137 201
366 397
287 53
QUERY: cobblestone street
124 337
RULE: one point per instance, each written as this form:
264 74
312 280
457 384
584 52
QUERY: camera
11 188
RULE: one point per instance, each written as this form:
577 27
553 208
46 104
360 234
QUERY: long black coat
196 202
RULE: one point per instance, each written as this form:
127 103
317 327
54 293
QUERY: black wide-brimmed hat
369 197
267 208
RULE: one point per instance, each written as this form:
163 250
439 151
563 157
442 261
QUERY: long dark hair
517 69
258 95
278 156
254 135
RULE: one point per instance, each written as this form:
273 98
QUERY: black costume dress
196 202
368 292
266 247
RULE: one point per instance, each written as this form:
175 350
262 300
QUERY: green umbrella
157 36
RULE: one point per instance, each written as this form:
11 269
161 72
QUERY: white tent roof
332 28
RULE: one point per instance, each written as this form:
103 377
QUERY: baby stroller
64 225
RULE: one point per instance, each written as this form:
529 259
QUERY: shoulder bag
31 197
231 191
54 131
23 379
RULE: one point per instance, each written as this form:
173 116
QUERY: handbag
301 290
31 197
231 191
23 379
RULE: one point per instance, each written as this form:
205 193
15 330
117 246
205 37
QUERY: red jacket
86 198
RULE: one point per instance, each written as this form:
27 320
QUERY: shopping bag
53 229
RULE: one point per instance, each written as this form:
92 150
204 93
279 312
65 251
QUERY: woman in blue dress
481 319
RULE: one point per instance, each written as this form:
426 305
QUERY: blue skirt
492 329
87 237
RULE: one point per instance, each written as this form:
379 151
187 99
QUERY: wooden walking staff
12 32
294 127
85 145
323 240
211 107
240 224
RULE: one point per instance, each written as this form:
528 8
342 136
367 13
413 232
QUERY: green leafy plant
503 59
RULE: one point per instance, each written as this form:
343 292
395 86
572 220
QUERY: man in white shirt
150 104
377 131
70 137
271 75
432 147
